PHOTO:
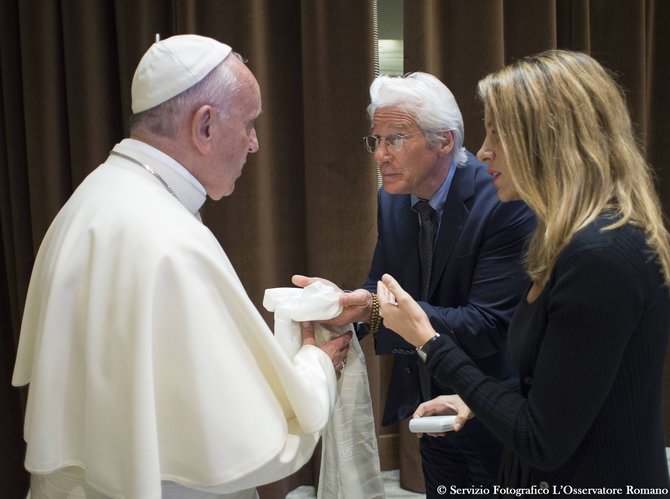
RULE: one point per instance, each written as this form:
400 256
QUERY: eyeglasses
395 141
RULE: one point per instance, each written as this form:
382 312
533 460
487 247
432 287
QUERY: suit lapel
454 217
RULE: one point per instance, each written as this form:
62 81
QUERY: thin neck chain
147 168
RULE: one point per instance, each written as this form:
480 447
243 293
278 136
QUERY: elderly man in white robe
152 375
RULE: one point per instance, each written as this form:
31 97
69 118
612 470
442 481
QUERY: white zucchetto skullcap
173 65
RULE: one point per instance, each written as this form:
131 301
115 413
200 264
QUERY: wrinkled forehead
394 119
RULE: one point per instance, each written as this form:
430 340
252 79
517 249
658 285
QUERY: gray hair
218 89
428 100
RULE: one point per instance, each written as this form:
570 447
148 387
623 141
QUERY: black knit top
590 350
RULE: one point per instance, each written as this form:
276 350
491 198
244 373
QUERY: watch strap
423 350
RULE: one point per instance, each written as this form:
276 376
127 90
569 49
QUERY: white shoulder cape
146 359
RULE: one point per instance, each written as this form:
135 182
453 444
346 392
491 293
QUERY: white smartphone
432 424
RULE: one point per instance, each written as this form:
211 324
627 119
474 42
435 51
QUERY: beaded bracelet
375 318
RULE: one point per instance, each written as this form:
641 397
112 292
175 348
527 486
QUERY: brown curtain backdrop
306 202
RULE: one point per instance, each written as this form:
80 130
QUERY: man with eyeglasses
448 240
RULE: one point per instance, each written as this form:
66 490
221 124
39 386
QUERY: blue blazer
476 281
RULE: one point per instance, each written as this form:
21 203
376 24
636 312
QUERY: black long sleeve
590 353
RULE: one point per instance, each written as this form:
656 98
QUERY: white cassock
149 367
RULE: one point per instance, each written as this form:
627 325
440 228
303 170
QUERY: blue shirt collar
440 197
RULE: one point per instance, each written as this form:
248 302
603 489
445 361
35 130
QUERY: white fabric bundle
349 459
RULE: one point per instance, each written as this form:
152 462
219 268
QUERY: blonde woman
589 339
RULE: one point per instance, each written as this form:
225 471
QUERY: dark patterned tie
427 231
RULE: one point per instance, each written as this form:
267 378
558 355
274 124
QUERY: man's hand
356 305
337 348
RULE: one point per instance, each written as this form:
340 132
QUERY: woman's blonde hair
568 141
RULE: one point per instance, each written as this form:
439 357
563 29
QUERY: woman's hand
446 405
401 313
337 348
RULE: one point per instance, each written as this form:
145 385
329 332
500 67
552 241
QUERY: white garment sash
349 458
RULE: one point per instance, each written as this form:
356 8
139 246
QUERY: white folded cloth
349 458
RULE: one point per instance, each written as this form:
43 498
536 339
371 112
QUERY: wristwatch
424 349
